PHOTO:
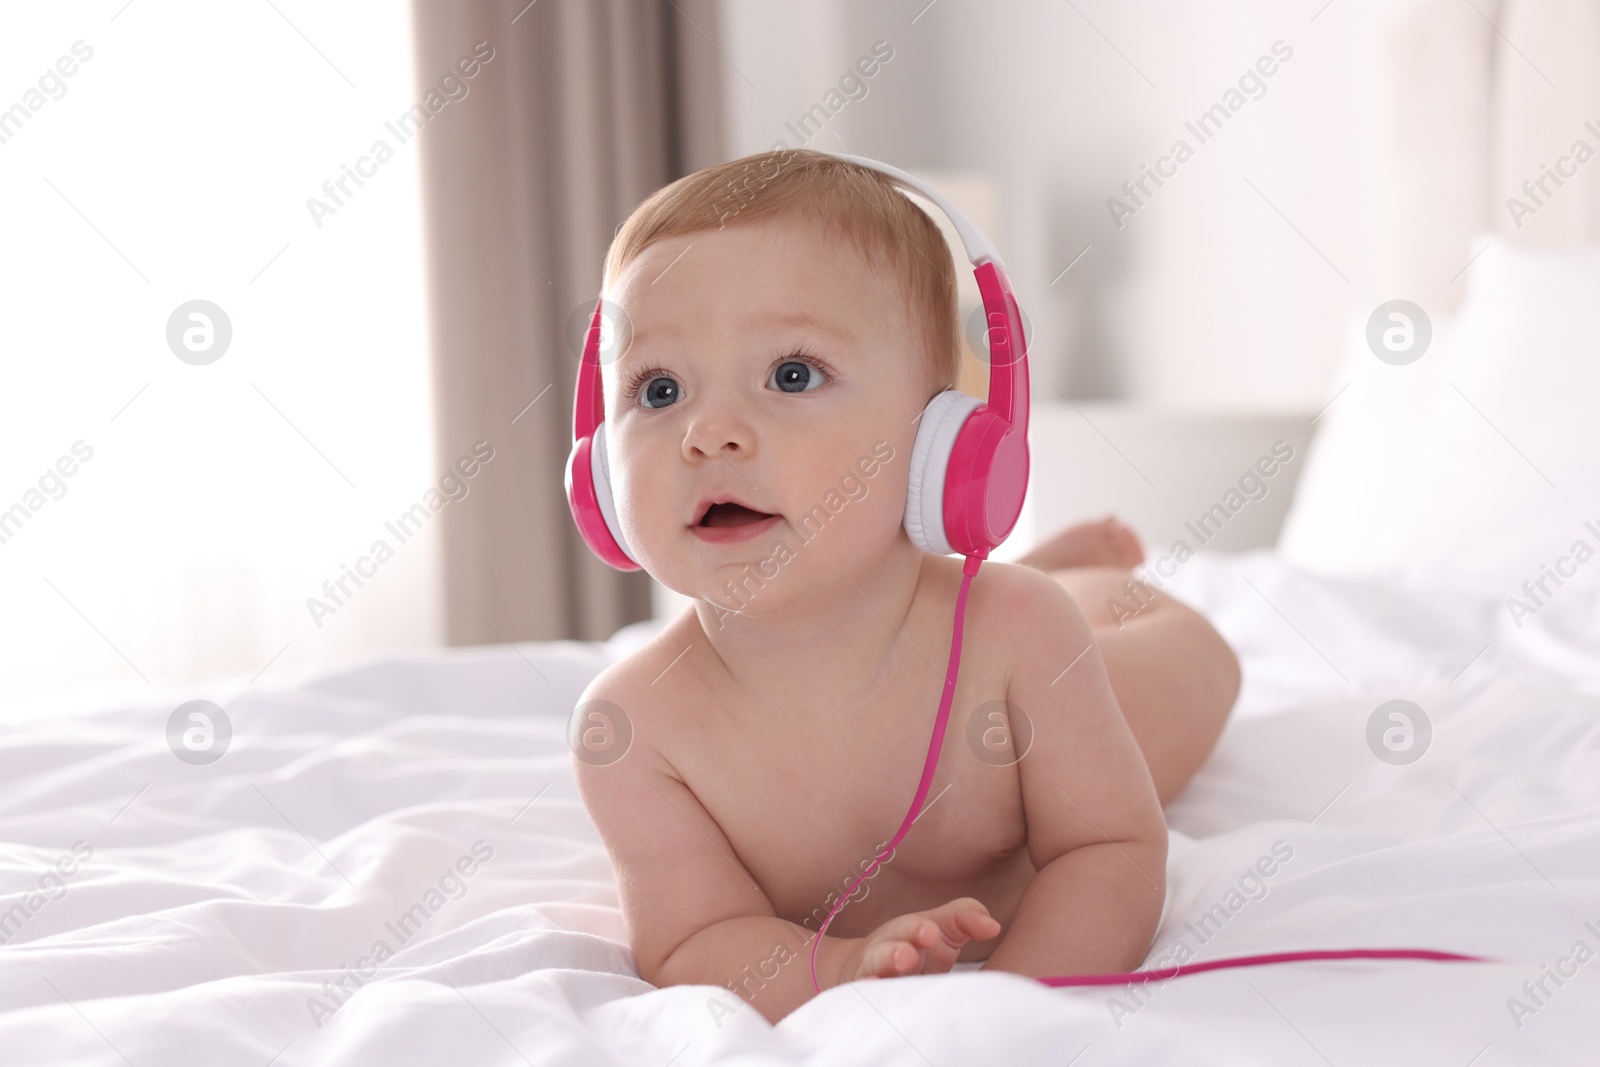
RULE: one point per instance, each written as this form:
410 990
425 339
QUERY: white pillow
1358 472
1481 470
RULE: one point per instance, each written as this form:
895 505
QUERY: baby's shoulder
627 680
629 709
1011 607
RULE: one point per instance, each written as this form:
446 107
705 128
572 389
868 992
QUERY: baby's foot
1107 543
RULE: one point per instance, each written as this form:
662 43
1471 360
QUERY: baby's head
788 315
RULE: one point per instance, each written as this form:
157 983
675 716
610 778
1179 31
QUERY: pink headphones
969 463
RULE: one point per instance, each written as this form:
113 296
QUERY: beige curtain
584 108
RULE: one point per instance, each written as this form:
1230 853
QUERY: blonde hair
838 199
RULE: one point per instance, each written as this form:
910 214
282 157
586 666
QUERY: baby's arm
694 914
1096 834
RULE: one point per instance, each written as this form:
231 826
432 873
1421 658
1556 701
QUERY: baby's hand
923 942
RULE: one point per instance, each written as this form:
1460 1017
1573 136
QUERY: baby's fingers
890 959
979 926
965 919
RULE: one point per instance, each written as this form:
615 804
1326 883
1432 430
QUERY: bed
218 904
390 863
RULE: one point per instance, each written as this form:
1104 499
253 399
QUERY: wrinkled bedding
409 825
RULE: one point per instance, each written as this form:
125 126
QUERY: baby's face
778 370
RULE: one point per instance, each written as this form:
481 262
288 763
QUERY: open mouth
731 514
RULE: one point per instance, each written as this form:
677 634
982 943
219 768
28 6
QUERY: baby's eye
659 392
794 376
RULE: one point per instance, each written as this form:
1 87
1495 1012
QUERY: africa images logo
450 885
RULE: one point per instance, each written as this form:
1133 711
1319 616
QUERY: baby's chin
715 572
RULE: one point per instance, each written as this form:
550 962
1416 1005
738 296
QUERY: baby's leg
1174 676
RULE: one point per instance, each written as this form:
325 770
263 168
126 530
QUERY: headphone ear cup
594 511
937 430
600 468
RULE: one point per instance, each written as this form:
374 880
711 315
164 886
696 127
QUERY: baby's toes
1123 544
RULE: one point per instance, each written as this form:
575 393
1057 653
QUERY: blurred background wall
382 331
1229 288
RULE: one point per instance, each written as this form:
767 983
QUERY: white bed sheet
218 900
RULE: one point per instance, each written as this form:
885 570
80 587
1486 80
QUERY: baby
784 341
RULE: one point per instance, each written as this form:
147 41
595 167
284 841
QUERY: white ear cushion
600 467
941 421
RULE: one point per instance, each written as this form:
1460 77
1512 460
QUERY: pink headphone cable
968 571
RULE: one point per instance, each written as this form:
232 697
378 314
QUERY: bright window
173 164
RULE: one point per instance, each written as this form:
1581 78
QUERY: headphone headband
1008 389
979 250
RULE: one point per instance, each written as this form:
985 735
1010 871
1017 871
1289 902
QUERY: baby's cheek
648 535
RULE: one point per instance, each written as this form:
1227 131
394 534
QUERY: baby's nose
717 430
